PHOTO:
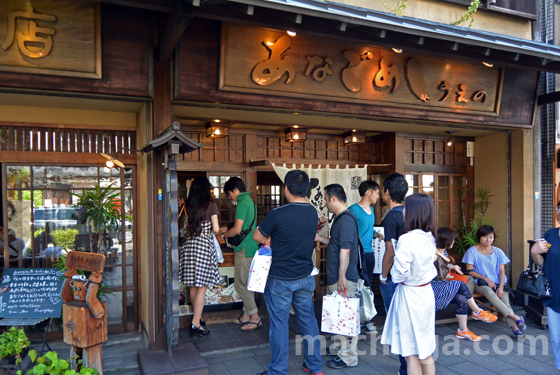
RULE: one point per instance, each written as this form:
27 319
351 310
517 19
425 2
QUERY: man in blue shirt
290 230
365 216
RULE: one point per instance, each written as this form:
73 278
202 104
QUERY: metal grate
23 138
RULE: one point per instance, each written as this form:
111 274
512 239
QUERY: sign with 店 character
265 61
61 38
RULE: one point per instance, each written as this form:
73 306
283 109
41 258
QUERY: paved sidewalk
497 353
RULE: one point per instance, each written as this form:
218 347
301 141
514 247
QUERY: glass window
47 224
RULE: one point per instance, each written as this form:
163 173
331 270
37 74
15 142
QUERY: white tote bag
218 249
367 303
341 315
258 274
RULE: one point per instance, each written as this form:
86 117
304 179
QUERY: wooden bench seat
480 300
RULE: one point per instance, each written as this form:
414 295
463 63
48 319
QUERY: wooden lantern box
81 329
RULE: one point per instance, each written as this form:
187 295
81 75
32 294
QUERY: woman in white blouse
410 324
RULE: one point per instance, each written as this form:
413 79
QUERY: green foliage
65 237
13 342
26 196
469 14
399 9
467 233
50 364
103 209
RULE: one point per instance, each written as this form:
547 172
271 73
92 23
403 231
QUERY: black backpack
362 266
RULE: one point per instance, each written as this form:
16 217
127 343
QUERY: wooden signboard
31 293
265 61
61 38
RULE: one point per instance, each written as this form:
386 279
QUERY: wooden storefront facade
73 119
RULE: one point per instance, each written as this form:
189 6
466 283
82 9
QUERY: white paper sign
378 250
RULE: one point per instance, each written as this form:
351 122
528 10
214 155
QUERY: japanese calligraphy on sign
60 38
270 62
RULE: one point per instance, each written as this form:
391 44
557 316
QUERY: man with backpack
342 268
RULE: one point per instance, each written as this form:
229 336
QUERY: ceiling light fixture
217 129
353 137
397 50
291 33
490 65
449 141
296 134
112 161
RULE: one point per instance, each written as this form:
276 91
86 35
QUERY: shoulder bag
533 281
236 240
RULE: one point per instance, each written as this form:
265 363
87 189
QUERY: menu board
31 293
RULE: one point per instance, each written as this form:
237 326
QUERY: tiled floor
228 336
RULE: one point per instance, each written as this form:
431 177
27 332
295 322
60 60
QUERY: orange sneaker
485 316
467 335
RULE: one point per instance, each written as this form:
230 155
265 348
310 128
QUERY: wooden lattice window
49 139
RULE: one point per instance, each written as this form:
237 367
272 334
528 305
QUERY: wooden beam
552 97
156 5
63 158
176 25
258 163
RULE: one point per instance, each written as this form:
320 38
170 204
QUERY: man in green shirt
245 213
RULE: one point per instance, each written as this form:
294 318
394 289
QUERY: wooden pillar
251 173
162 119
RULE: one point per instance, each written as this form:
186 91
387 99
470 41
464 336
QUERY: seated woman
486 264
447 291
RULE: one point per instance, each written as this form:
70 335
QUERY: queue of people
414 276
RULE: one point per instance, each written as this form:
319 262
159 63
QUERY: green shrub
50 364
65 238
13 342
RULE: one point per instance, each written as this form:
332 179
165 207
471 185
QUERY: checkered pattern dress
198 264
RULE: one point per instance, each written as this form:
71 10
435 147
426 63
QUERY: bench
446 318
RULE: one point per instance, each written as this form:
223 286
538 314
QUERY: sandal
255 325
238 321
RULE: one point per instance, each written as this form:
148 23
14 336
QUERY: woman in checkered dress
198 262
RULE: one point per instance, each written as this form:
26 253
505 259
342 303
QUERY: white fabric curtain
349 177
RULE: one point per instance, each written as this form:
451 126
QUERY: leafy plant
467 232
103 210
13 342
52 365
467 15
65 237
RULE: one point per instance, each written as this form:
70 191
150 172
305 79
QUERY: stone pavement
497 353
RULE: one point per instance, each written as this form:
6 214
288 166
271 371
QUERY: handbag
341 315
218 249
455 276
367 304
233 242
533 281
442 266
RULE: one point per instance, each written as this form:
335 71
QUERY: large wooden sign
265 61
50 37
31 293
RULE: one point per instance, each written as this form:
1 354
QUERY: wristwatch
381 277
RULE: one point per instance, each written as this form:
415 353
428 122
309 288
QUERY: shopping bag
367 304
455 276
260 266
341 315
218 249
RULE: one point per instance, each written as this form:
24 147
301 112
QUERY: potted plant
467 232
51 364
101 211
13 345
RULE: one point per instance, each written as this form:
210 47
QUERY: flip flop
252 328
238 321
